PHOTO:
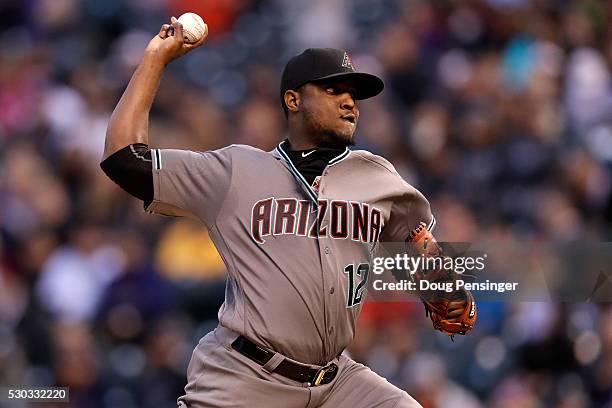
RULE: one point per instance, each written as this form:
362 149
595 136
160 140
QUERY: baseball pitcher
296 228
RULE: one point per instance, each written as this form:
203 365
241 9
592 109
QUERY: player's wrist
154 58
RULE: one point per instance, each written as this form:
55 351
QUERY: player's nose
348 102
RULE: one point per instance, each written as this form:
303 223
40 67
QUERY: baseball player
296 228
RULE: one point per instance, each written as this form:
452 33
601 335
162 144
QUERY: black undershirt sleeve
131 169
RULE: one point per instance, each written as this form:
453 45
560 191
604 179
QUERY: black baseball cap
320 64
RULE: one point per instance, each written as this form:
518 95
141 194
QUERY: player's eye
333 90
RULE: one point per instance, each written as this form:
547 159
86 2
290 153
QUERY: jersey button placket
329 315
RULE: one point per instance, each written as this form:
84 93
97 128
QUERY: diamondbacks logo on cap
347 62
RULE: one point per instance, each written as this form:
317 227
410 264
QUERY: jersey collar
281 152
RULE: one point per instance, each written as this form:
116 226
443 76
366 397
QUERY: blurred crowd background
499 111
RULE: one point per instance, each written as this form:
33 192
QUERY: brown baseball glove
453 311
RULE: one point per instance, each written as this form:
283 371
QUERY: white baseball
194 27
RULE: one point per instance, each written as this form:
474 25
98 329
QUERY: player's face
330 112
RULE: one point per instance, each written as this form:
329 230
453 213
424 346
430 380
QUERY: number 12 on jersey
356 289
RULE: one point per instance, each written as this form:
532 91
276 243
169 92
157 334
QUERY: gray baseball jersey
298 257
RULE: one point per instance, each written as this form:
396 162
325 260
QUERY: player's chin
349 137
339 138
339 135
346 133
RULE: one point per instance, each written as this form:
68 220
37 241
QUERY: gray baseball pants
219 376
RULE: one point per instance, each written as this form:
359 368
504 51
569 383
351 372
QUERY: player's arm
127 158
130 119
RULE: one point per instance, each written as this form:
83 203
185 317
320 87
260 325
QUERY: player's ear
292 100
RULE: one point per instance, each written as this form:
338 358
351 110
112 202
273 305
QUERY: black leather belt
286 368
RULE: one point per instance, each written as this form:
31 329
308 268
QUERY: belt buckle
321 374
